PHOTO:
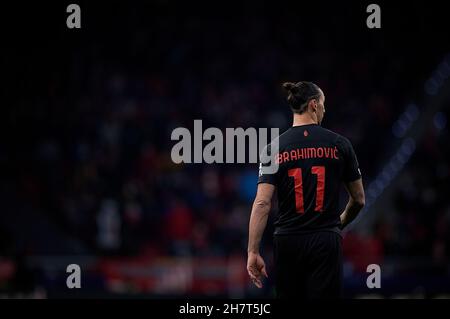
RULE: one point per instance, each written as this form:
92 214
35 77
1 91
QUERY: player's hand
256 268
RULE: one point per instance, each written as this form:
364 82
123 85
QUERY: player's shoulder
337 138
273 146
331 134
282 139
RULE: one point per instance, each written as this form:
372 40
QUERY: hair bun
289 86
292 89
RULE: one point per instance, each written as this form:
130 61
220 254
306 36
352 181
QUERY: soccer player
313 163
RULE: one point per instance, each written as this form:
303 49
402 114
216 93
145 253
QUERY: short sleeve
351 166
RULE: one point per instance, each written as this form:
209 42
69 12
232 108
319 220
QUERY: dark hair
299 94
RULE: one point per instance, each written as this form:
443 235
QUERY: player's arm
258 221
355 203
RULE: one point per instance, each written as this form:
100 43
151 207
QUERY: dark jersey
313 162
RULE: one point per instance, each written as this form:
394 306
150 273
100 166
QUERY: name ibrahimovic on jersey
307 153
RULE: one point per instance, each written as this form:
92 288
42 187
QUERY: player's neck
303 119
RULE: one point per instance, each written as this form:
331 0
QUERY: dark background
85 150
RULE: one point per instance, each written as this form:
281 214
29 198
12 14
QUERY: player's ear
313 105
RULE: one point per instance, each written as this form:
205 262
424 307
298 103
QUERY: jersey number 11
298 187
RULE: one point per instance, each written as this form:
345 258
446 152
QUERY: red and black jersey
313 163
